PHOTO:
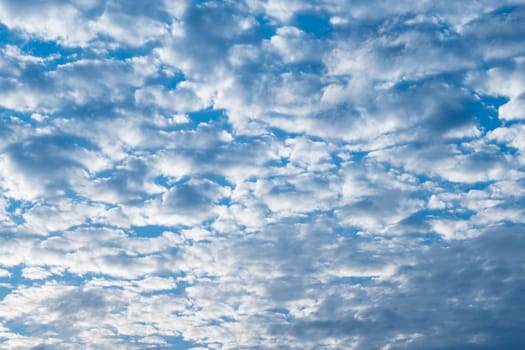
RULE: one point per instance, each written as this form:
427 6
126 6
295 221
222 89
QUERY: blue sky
262 174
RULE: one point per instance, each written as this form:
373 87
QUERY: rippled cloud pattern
262 174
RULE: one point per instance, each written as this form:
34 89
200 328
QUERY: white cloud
294 46
35 273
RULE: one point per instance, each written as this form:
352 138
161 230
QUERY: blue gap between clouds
18 205
266 29
354 280
216 117
282 311
314 24
38 48
15 279
209 115
167 77
220 320
487 111
149 231
7 114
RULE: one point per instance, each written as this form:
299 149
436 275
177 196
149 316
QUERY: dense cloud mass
262 174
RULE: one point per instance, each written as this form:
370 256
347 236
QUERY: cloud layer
262 174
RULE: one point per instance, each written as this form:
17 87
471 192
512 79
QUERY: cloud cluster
262 174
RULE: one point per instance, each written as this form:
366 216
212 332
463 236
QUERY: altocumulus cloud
262 174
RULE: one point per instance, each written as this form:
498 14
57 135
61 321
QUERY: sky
262 174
